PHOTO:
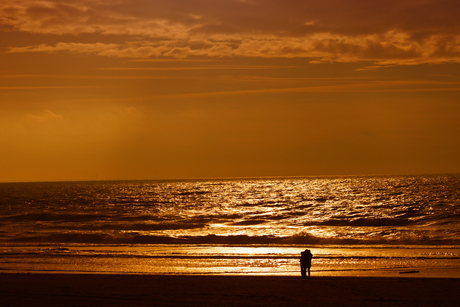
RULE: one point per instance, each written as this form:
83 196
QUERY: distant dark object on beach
305 262
409 272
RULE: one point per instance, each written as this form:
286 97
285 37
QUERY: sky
175 89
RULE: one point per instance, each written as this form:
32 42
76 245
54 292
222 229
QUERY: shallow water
427 261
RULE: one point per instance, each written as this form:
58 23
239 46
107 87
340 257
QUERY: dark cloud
329 30
351 17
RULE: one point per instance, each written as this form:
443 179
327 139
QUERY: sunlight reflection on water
239 260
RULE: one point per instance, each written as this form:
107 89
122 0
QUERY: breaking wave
299 239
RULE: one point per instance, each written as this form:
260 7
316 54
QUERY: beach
201 290
375 240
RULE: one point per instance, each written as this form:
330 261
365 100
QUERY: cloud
208 67
97 48
177 18
393 32
46 116
361 86
43 87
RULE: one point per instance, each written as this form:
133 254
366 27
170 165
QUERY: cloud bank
393 32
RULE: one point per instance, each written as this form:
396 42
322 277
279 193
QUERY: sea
396 226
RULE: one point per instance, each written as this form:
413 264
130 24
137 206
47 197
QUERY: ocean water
354 225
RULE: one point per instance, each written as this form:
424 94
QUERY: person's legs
308 271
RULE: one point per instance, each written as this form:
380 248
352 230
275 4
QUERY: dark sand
183 290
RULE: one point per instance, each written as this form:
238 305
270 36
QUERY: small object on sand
409 272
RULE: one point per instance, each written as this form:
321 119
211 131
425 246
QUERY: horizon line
237 177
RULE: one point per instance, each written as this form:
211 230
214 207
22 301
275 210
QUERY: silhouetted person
305 262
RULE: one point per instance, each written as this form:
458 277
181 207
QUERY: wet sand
186 290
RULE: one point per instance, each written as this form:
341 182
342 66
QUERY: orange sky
159 89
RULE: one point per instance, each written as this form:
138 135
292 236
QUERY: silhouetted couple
305 262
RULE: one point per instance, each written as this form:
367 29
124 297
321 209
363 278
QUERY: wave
97 253
152 222
364 222
54 217
120 226
301 239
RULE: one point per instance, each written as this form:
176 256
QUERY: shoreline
247 260
51 289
